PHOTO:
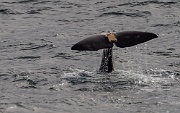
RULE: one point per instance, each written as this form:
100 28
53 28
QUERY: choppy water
39 73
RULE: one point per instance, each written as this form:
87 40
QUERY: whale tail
105 41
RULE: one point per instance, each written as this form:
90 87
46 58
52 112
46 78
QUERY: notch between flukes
111 36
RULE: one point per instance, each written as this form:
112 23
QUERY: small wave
29 57
167 25
63 55
37 47
8 11
38 10
27 1
33 12
177 64
168 54
161 25
133 4
130 14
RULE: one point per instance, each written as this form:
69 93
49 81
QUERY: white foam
153 78
75 73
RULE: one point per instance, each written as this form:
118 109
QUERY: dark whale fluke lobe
105 42
93 43
131 38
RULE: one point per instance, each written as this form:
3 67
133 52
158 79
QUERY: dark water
40 74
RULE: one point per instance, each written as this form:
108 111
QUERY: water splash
81 80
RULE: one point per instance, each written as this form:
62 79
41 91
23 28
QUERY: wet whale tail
105 41
107 62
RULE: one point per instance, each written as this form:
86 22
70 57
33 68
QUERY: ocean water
40 73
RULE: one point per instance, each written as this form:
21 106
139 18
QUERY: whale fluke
93 43
124 39
105 41
131 38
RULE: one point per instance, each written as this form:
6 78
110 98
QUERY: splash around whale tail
105 41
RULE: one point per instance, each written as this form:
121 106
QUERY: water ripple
133 4
28 57
27 1
163 53
37 47
130 14
9 11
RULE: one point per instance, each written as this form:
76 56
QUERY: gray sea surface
39 73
